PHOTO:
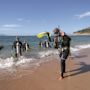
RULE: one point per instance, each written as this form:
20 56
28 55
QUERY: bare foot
61 78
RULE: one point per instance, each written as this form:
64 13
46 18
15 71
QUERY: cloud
86 14
23 19
20 19
10 26
6 29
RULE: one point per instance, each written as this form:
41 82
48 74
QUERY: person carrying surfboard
17 45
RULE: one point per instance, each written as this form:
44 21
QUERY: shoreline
45 77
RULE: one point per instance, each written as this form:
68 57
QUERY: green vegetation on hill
87 30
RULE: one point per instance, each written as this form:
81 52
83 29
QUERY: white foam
83 46
9 62
23 60
79 47
47 53
74 51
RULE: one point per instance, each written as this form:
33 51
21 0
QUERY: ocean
36 54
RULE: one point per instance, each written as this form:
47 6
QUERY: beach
46 76
36 37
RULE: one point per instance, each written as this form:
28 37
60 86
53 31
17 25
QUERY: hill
85 31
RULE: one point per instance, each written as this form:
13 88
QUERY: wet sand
46 76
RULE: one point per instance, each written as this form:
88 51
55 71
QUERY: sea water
35 54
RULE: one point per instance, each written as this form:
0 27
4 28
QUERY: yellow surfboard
40 35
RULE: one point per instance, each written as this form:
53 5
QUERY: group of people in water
18 47
61 41
45 44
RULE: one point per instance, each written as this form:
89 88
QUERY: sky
30 17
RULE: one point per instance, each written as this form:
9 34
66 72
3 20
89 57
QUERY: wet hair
56 30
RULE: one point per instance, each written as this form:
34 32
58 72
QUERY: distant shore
78 34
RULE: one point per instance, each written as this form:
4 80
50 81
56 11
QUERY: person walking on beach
65 50
17 45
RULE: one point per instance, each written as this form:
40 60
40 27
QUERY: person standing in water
40 44
25 46
65 49
47 44
17 45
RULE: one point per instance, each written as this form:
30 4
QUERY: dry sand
46 77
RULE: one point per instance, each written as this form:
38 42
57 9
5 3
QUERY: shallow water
35 55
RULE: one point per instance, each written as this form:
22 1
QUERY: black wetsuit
65 46
24 46
20 46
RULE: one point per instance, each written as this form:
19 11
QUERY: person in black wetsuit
25 46
17 45
65 51
62 42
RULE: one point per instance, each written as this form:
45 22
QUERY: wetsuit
57 41
65 50
25 46
17 45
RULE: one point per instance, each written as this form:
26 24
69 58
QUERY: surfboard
42 34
